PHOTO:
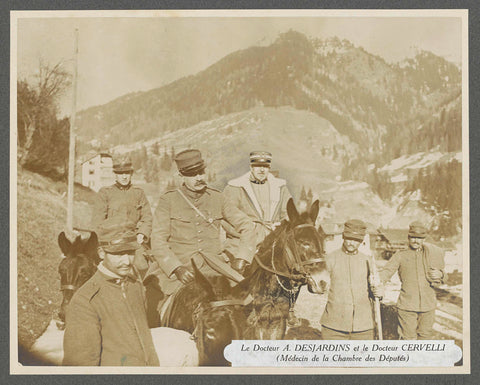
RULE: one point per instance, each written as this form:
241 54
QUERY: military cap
115 240
354 229
122 163
417 230
260 158
120 245
190 162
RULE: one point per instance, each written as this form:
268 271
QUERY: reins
293 257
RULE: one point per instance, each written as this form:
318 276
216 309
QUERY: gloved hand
183 274
140 238
239 265
378 290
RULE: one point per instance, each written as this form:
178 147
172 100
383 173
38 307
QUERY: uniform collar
420 249
113 277
348 252
120 187
193 194
256 181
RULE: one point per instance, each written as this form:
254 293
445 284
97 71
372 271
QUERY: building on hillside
97 171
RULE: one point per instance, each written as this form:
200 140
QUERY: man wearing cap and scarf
258 197
420 268
124 208
348 313
186 226
106 323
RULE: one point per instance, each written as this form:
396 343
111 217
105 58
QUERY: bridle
68 287
293 257
295 261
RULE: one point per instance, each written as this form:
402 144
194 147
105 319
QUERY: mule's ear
314 210
292 211
91 245
202 281
64 244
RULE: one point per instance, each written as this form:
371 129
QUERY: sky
119 55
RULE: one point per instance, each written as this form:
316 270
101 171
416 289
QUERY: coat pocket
181 228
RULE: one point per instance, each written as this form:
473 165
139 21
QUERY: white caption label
343 353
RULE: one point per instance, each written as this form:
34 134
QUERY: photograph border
290 370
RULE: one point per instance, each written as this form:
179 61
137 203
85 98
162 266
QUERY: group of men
354 282
187 225
106 321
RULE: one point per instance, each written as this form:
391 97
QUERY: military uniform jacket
180 233
348 307
121 208
417 293
107 325
241 205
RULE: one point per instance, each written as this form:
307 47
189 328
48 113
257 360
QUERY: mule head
216 323
78 265
306 249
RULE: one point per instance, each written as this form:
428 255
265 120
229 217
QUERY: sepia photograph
239 192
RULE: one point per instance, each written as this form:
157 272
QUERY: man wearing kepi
420 268
106 323
348 313
123 207
186 226
258 197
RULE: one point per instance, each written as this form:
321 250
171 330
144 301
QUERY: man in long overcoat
420 268
106 323
258 197
124 208
348 313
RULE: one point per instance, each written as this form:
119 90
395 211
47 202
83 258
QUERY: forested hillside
380 112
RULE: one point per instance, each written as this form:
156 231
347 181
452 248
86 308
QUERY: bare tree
37 105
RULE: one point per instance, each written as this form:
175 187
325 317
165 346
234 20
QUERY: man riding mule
258 306
123 207
258 197
187 226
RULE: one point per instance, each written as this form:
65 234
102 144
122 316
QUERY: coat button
199 249
199 231
200 240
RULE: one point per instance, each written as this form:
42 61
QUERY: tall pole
71 152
